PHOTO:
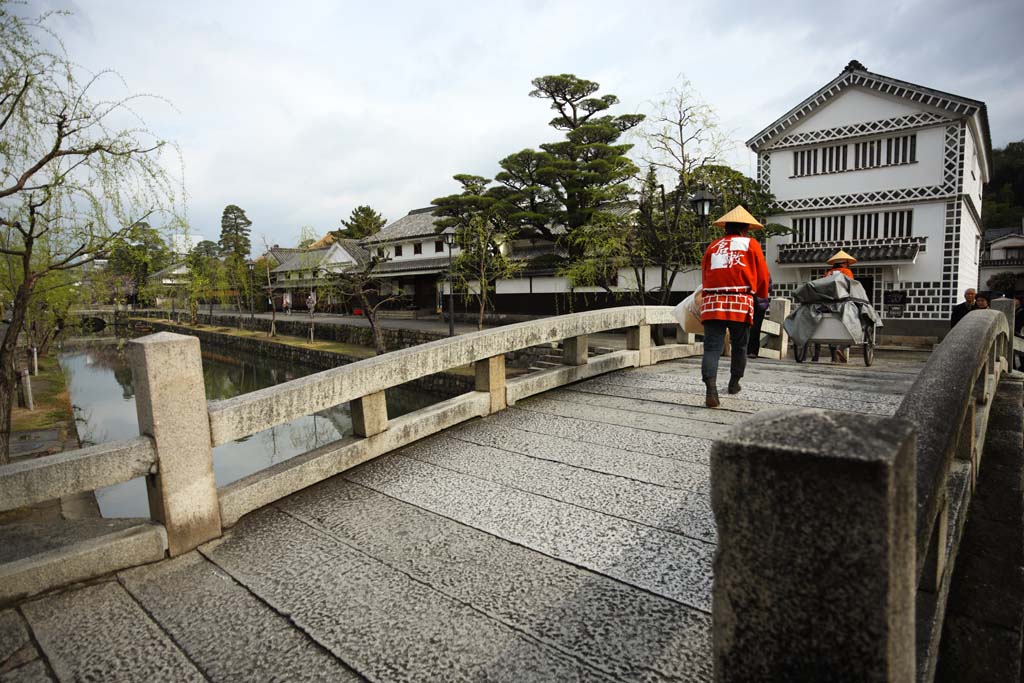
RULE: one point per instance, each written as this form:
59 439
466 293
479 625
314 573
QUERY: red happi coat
732 273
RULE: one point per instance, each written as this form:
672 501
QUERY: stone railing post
369 414
684 337
170 399
1007 308
574 350
490 378
639 339
779 310
815 567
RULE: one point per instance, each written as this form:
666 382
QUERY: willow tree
77 171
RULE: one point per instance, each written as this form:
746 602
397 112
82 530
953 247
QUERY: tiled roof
413 264
302 260
817 255
418 223
360 253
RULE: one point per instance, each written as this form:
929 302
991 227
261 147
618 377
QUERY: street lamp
701 203
449 239
252 305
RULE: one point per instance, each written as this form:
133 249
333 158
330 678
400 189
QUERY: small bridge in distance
562 525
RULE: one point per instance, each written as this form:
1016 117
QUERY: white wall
926 171
972 170
855 104
407 250
970 250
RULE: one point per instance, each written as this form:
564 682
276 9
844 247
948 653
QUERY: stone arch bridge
587 522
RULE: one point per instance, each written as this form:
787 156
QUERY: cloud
298 113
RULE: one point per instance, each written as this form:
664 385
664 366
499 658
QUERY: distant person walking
733 272
964 307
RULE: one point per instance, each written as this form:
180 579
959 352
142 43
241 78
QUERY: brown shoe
711 397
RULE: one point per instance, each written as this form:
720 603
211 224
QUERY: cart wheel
869 345
800 352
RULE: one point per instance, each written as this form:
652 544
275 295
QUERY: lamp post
701 203
449 239
252 307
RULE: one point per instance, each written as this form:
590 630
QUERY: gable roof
856 75
305 259
354 249
418 223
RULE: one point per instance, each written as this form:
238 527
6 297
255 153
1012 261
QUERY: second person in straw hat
733 272
840 262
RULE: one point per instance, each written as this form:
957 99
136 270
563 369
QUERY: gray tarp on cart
835 294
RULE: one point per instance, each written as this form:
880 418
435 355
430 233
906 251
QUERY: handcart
833 310
831 330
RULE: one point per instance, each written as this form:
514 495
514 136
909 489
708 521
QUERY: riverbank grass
51 398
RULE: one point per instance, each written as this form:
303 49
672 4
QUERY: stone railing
179 429
838 533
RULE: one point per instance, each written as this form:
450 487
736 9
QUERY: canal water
103 397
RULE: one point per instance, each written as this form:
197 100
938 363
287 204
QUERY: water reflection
103 397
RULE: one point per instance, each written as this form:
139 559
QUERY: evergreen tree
234 232
1003 204
567 182
362 222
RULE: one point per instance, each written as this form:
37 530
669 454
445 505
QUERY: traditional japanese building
890 171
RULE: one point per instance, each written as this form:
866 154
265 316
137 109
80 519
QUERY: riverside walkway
567 537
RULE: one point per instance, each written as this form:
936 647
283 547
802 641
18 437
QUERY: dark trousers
754 345
714 344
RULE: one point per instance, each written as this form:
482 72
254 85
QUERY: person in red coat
733 272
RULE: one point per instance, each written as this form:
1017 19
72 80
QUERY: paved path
567 538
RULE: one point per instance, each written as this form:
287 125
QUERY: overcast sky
300 111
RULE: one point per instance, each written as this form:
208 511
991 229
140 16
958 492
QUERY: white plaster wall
516 286
970 250
854 105
407 250
926 171
972 170
685 281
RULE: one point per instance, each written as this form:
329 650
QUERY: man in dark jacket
962 309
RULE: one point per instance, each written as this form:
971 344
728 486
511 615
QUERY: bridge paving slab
626 418
33 672
654 469
100 633
682 512
225 630
883 390
664 563
686 448
380 621
641 401
753 400
617 629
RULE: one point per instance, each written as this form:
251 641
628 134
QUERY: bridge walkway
569 537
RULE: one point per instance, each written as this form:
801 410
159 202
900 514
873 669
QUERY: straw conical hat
739 215
842 256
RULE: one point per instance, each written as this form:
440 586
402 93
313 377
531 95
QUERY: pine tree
234 232
362 222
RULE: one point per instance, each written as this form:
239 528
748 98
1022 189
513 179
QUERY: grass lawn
52 402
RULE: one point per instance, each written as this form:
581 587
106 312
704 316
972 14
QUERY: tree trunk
8 378
371 317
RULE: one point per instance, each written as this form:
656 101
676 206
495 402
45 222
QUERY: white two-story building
890 171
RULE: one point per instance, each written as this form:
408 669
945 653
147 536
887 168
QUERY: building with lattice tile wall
890 171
